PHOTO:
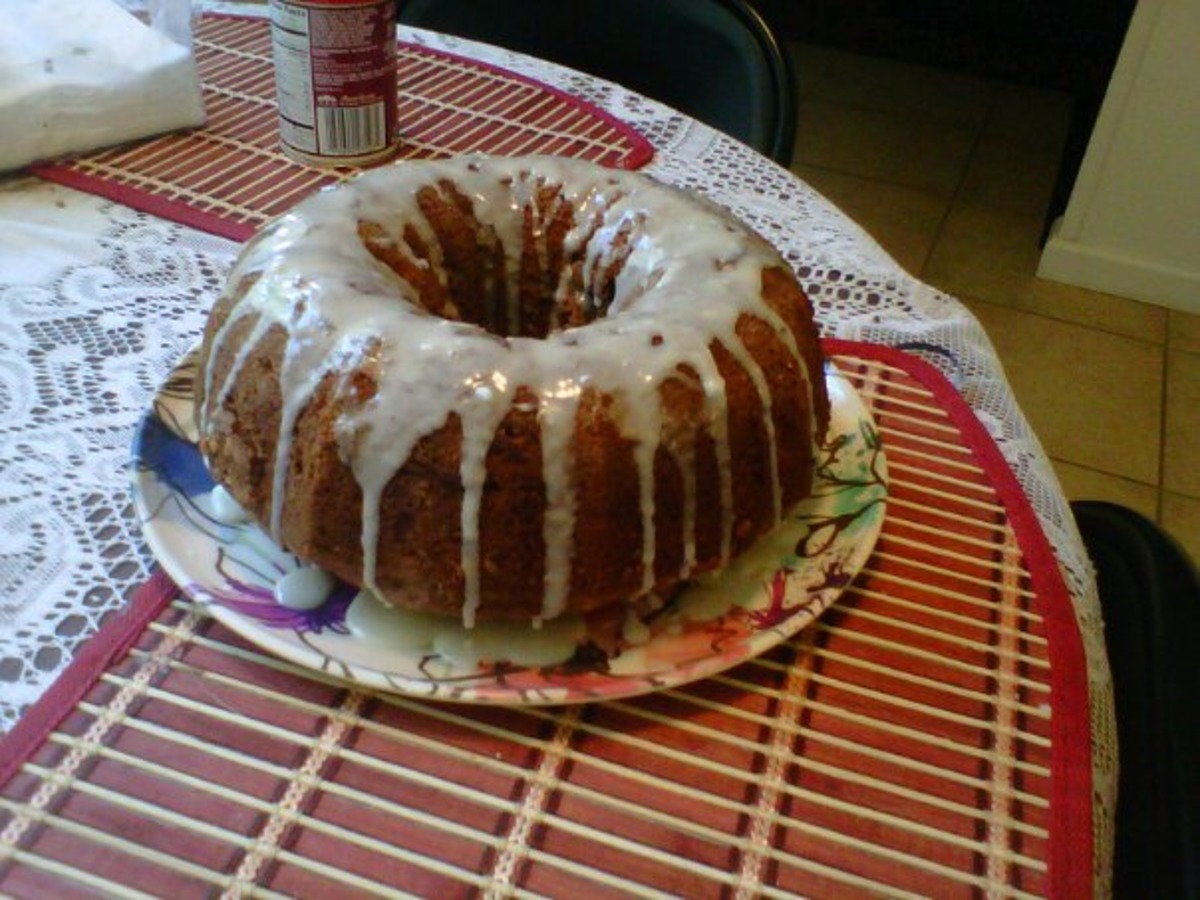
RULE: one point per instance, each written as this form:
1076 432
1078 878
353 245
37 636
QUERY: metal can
335 79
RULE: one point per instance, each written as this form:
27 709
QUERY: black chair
716 60
1150 594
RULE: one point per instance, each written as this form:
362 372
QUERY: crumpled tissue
76 75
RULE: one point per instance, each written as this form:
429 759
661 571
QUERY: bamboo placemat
231 176
903 745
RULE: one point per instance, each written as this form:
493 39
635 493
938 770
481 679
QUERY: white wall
1132 225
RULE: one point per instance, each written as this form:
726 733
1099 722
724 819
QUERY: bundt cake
511 387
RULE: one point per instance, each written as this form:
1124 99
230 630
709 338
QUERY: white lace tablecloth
99 301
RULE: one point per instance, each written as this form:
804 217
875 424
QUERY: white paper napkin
80 74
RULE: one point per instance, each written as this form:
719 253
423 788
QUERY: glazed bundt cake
511 387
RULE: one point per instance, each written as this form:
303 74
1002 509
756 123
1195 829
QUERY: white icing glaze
304 588
225 509
416 633
685 282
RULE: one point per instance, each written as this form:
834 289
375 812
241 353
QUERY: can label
335 79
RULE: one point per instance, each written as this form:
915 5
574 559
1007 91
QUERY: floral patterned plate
782 584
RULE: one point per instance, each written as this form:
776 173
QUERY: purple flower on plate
776 611
258 603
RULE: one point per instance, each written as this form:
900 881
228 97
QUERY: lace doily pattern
85 348
94 325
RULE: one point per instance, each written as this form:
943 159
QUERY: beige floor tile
1003 175
1185 331
991 254
903 150
1093 398
1181 519
884 85
1182 434
810 64
904 220
1088 484
1016 162
1034 120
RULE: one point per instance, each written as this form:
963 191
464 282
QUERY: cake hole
514 275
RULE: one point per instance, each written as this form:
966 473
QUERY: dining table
937 722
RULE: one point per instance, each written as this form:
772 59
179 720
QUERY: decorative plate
782 584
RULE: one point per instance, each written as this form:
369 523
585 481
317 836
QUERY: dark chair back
716 60
1150 596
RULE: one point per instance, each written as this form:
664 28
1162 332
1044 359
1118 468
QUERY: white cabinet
1132 225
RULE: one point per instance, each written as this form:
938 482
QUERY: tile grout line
939 231
1061 320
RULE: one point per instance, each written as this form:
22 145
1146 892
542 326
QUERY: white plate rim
819 581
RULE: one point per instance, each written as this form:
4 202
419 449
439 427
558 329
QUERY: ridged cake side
512 388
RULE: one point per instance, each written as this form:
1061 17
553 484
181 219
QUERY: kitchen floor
953 174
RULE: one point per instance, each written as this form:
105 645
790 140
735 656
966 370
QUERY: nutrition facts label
335 76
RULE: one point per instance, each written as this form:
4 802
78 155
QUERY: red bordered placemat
928 736
230 177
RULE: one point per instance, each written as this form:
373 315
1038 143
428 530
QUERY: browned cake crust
455 268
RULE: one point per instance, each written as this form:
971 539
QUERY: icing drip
225 509
304 588
746 361
481 415
681 284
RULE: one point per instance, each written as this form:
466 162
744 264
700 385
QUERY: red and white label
335 76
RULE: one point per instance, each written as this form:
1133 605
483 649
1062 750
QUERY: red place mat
231 176
927 736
